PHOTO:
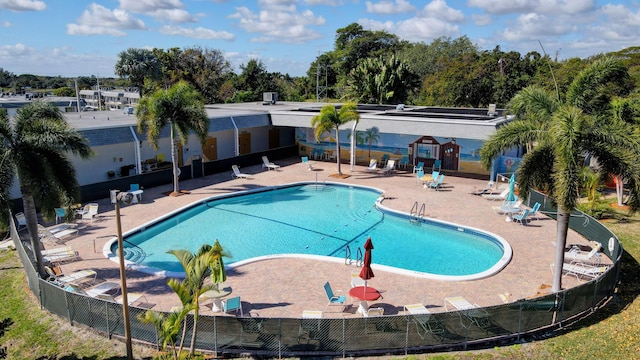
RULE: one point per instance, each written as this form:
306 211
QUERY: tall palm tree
138 64
197 267
182 109
559 135
371 136
33 148
331 119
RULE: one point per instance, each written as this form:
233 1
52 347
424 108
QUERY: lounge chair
232 304
334 299
57 250
501 196
310 325
389 167
470 311
583 271
373 166
132 298
73 278
269 165
58 232
237 174
534 211
418 167
88 212
60 257
103 288
575 254
423 320
21 221
522 218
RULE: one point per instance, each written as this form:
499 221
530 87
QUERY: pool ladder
347 256
417 213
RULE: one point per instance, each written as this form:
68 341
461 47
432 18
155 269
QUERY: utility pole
77 95
321 89
99 94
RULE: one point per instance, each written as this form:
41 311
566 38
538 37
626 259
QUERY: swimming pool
315 220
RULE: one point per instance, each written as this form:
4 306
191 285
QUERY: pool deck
284 287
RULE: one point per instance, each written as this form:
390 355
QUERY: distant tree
6 78
255 78
331 119
35 145
179 107
64 91
380 81
423 59
137 65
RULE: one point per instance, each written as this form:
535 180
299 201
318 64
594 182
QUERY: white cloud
424 29
17 50
98 20
531 26
174 16
324 2
389 7
482 19
438 9
197 33
387 26
503 6
150 6
287 26
6 24
23 5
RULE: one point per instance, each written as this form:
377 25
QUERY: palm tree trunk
174 161
195 326
338 149
561 241
32 226
619 189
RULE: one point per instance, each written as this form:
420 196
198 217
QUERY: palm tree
331 119
167 327
34 148
181 108
197 267
138 64
371 136
559 135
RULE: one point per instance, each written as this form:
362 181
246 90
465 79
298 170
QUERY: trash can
197 169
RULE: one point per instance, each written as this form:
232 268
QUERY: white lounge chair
501 196
73 278
389 167
237 174
60 257
88 212
472 312
459 303
102 288
575 254
583 271
373 166
57 250
58 232
269 165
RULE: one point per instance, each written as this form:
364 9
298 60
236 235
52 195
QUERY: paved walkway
285 287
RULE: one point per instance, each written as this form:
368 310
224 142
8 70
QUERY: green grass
613 332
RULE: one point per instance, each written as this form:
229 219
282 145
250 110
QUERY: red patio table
364 294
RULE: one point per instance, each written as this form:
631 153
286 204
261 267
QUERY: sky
71 38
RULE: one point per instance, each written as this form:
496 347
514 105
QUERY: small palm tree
331 119
559 135
167 327
34 148
181 108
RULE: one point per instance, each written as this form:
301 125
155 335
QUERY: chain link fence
398 334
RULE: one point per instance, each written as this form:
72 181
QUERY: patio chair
390 167
471 312
575 254
89 211
437 165
425 323
61 214
334 299
418 167
269 165
373 166
237 174
306 163
103 288
522 218
60 257
232 304
507 207
437 183
583 271
57 233
132 298
535 210
21 221
419 175
356 280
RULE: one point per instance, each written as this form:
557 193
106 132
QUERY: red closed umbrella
367 273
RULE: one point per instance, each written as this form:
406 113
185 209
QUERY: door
274 138
450 156
210 149
244 143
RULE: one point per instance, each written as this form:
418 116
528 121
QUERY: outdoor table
135 194
426 179
217 296
364 294
510 211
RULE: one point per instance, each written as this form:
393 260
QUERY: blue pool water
312 220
